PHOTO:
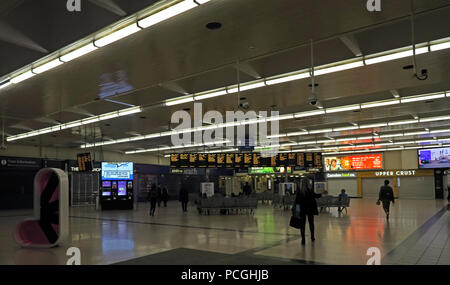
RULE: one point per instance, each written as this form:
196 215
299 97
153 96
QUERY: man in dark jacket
247 189
159 195
165 196
386 196
152 197
306 199
184 198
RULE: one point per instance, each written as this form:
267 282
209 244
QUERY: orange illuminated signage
354 162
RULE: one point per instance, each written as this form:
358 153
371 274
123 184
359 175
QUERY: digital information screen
84 162
220 160
117 171
175 160
355 162
434 158
245 160
122 188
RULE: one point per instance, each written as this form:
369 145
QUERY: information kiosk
117 185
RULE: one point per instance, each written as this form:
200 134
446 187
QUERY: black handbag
295 219
294 222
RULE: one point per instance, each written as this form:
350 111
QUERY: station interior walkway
417 233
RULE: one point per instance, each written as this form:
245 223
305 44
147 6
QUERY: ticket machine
117 185
107 196
124 198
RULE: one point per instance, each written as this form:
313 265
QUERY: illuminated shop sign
342 175
354 162
396 173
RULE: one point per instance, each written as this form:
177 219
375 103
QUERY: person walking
386 196
152 197
165 196
306 200
159 195
184 198
247 189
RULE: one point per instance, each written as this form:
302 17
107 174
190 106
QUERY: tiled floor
417 233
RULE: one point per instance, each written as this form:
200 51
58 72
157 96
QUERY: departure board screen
292 159
244 160
175 160
282 159
193 158
317 160
238 160
229 160
309 159
212 159
220 160
84 162
202 160
184 160
256 160
301 159
248 158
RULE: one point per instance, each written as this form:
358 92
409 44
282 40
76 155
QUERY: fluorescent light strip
309 113
422 98
251 85
47 66
380 103
268 81
167 13
404 122
211 94
393 56
321 131
24 76
342 109
179 101
345 128
78 52
338 68
219 142
77 123
286 78
117 35
5 83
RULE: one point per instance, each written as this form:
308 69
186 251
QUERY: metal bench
330 201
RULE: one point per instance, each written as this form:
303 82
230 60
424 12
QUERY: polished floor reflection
417 233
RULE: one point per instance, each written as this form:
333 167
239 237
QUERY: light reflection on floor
112 236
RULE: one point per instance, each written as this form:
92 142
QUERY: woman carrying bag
305 206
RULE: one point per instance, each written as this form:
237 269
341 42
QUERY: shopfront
345 180
407 184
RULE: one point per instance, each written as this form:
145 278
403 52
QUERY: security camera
244 105
313 102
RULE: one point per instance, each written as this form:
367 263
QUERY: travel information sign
244 160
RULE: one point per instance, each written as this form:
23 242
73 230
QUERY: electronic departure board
282 159
245 160
248 158
212 160
184 160
309 159
229 160
220 160
84 162
202 160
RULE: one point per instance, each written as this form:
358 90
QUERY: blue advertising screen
117 171
434 158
